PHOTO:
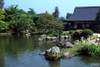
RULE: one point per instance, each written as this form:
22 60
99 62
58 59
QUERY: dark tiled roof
84 14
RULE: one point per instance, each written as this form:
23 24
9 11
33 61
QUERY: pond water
24 52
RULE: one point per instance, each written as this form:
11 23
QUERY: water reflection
90 59
54 63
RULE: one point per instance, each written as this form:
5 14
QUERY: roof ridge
89 7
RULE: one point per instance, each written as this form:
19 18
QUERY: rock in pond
60 44
41 39
54 38
55 50
53 53
42 53
51 38
48 38
62 37
68 45
66 37
67 55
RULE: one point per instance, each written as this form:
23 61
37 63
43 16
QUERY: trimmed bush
86 32
90 50
76 35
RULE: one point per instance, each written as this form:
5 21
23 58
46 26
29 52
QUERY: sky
41 6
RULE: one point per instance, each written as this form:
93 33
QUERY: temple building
83 17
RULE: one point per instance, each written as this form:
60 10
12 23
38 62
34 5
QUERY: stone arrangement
54 52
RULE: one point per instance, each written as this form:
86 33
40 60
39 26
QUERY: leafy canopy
48 24
18 19
3 25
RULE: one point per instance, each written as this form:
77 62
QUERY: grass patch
73 50
85 49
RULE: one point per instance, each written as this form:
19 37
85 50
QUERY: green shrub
76 35
90 50
71 32
64 34
53 34
56 34
86 32
50 35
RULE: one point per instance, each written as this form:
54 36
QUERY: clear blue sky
40 6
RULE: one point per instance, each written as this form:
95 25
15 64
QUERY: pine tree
56 13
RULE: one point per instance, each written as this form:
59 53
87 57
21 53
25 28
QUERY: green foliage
11 13
61 18
69 15
86 32
3 25
24 23
56 13
18 19
71 32
47 24
2 16
31 11
35 18
21 11
76 35
53 34
90 50
64 34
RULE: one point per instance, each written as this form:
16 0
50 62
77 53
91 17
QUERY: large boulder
53 53
66 37
62 37
48 38
60 44
76 42
68 45
51 38
55 50
97 39
67 55
54 38
41 39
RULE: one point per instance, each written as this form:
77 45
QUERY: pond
24 52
